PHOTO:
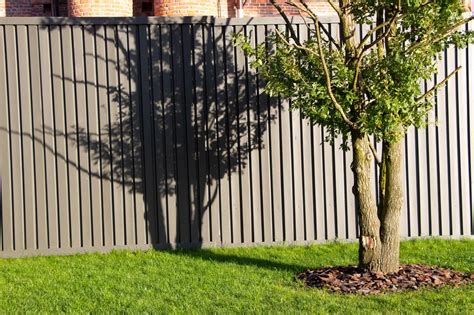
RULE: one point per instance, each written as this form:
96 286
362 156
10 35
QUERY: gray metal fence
154 132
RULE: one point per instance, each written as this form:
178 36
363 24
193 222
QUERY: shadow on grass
208 255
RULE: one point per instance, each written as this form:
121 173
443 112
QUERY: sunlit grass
220 281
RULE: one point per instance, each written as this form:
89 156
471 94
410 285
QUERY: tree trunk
391 207
379 226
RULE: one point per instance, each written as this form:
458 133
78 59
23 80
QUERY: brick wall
265 8
100 7
226 8
221 8
22 8
186 7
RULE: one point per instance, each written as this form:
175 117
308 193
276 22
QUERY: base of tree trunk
358 281
384 257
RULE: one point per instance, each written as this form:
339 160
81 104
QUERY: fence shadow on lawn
209 255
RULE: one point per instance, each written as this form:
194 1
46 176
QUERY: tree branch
372 31
287 21
383 35
328 81
366 48
374 153
313 17
389 23
442 35
300 47
437 86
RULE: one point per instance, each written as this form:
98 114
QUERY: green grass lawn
220 281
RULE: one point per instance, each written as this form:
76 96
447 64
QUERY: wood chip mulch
357 281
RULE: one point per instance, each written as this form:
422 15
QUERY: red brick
186 7
220 8
100 8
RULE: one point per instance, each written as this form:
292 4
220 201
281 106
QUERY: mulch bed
357 281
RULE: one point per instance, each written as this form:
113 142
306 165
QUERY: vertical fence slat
319 182
297 176
60 136
275 159
115 135
233 135
411 184
148 134
285 133
70 107
105 154
27 138
470 131
201 117
307 164
193 183
462 146
6 189
452 105
135 126
92 141
169 122
265 120
37 133
297 168
211 151
126 134
222 112
112 141
80 142
158 137
286 161
442 142
243 121
422 182
180 140
351 211
254 136
16 138
330 193
48 128
432 174
204 118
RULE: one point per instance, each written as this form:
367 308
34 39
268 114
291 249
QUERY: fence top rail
155 20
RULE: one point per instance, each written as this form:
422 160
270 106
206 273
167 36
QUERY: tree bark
391 207
379 225
369 224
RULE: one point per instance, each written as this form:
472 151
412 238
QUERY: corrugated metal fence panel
155 132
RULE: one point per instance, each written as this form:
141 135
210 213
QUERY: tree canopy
375 86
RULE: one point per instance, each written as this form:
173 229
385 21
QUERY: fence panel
156 133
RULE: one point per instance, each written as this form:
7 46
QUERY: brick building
219 8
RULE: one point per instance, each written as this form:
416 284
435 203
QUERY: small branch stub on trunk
368 242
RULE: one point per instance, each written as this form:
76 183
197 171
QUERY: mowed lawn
220 281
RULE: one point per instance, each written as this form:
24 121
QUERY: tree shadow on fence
164 120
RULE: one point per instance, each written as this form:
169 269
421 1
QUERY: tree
358 88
